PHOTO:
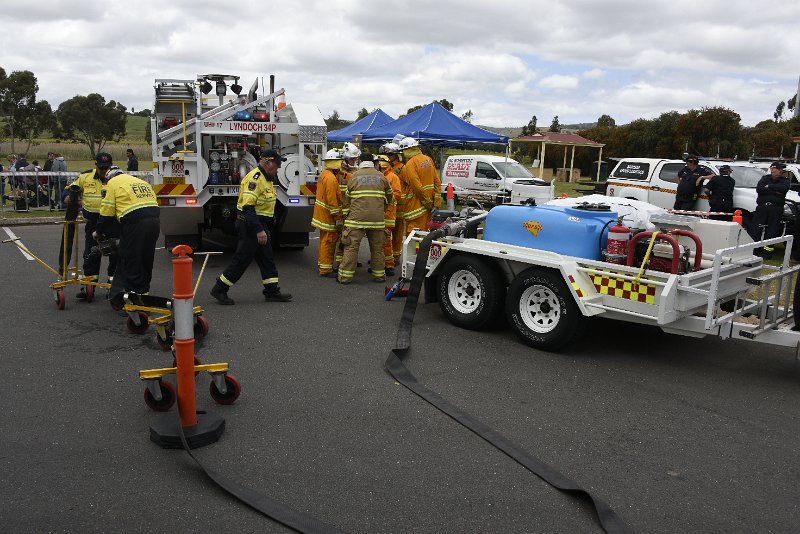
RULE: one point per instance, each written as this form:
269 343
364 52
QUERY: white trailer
204 144
546 296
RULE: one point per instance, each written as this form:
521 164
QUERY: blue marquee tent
375 119
435 125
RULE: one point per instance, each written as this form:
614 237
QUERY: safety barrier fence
24 191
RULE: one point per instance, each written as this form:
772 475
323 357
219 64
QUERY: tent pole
571 163
599 162
541 162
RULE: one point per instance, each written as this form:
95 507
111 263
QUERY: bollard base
166 432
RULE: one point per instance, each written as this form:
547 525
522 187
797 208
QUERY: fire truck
207 134
548 269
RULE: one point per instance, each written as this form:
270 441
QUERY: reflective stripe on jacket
255 190
328 205
417 181
125 193
366 197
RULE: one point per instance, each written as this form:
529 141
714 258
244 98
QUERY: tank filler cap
588 206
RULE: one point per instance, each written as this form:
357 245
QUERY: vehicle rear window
669 172
632 170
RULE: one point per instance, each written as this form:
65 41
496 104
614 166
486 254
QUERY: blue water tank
561 229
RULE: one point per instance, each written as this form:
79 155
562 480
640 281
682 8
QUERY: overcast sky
504 60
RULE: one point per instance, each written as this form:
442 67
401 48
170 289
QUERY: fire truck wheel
200 327
167 397
541 310
471 292
143 324
89 289
61 300
234 389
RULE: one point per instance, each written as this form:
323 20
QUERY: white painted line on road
13 236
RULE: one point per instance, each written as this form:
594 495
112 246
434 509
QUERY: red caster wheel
141 328
200 327
167 397
89 290
196 362
61 300
233 389
165 344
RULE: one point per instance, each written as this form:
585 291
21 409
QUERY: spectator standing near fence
133 161
59 165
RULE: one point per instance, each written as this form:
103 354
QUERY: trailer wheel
167 397
144 321
233 390
541 310
471 292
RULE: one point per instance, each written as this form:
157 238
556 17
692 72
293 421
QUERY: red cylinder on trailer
617 247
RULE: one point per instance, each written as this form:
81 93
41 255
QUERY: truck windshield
512 169
747 176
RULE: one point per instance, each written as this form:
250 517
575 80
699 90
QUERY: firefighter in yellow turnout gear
366 197
392 222
350 154
328 216
420 186
92 186
255 217
132 202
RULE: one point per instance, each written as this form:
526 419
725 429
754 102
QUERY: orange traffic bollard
737 216
183 294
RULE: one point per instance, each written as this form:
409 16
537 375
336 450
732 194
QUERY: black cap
273 155
104 160
778 165
692 159
724 168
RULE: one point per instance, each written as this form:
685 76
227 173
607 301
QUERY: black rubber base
166 432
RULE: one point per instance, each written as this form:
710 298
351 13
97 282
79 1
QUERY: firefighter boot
273 294
220 292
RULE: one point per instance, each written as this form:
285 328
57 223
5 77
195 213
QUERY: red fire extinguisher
617 248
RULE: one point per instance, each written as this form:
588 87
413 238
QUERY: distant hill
516 131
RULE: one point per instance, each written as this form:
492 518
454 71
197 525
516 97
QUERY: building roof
557 138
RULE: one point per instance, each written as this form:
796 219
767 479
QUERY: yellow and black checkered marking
576 287
624 289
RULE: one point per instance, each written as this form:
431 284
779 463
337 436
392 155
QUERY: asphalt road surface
676 434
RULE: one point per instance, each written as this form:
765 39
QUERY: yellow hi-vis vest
124 194
255 190
91 190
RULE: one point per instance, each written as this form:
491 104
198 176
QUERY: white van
484 174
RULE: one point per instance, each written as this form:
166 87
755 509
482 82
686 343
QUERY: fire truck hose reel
609 520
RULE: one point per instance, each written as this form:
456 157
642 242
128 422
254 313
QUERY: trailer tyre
541 310
471 292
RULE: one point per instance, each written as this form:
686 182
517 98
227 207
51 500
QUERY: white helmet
408 142
332 154
113 171
389 148
350 151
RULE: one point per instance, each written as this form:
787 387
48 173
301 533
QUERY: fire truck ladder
219 113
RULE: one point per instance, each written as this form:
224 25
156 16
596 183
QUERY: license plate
173 180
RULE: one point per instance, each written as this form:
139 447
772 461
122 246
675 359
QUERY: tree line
86 119
712 131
